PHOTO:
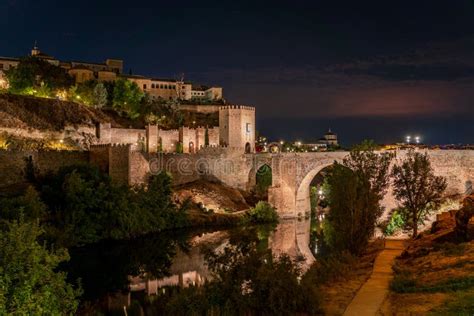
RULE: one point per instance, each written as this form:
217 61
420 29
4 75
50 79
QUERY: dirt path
372 294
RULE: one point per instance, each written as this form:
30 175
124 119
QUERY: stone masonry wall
13 163
119 163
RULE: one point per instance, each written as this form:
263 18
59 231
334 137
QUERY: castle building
80 71
172 89
111 69
236 130
237 127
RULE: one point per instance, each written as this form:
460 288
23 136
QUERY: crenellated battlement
114 145
237 107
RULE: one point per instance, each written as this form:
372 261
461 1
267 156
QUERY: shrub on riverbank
262 213
80 205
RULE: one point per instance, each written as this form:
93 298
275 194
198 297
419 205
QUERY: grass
451 250
405 283
461 304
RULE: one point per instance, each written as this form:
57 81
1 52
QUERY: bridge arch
293 174
259 166
302 194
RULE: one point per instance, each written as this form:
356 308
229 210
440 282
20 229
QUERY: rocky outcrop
211 195
464 228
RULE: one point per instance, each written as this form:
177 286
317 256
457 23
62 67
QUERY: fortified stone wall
99 156
13 163
127 136
199 108
119 163
150 138
169 140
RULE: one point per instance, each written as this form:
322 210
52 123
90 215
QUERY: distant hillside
47 114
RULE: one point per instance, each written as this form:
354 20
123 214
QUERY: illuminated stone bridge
292 173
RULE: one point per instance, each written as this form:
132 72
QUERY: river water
114 274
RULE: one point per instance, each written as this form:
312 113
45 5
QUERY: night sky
377 70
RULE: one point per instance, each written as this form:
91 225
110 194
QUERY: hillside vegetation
45 114
27 112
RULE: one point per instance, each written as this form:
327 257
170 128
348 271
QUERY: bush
263 212
395 223
29 283
86 206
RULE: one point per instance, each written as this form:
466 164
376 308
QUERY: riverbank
435 276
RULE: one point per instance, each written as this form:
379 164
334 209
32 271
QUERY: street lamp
408 138
417 139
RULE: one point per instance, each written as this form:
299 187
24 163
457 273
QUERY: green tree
179 147
417 188
263 180
100 95
28 206
29 284
34 75
356 188
127 97
83 93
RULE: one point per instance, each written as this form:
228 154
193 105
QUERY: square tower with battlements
237 127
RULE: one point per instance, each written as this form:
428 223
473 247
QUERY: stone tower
237 127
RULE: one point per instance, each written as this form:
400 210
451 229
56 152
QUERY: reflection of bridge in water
291 237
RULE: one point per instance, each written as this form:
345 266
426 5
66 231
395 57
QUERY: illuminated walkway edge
371 295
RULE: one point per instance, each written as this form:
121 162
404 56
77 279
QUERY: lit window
247 128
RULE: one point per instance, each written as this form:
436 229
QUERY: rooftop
9 58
